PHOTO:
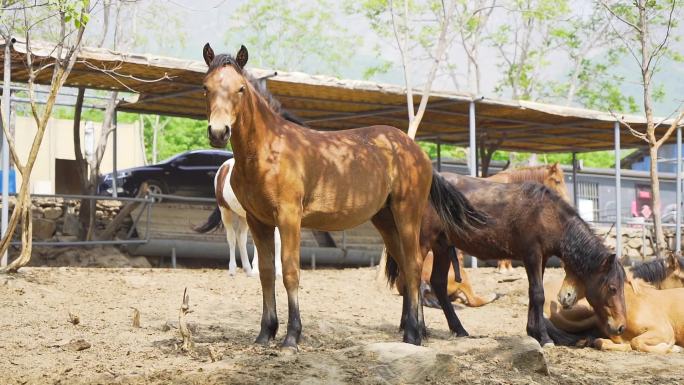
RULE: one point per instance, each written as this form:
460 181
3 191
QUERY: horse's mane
528 173
580 248
258 84
654 271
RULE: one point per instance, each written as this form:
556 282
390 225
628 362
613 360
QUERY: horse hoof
548 345
252 274
461 334
289 345
288 350
231 273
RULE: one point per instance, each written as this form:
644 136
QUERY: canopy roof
168 86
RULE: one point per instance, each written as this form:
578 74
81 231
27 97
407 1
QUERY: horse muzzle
219 139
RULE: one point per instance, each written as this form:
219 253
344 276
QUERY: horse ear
242 56
208 54
609 262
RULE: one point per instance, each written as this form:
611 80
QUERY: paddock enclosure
350 322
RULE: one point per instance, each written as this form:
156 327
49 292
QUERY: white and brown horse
227 207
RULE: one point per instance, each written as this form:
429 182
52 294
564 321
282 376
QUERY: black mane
259 84
654 271
580 248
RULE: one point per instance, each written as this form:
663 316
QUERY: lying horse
654 321
566 311
527 222
457 284
288 176
549 175
227 205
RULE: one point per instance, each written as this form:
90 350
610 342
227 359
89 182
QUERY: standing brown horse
527 222
291 177
550 176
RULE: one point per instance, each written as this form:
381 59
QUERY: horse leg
242 244
535 323
383 221
608 345
438 281
227 218
472 299
653 341
278 254
263 240
407 216
289 226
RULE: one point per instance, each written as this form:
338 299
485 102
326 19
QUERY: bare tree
72 17
650 26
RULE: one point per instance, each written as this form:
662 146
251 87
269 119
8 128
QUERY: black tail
391 270
213 222
563 338
455 211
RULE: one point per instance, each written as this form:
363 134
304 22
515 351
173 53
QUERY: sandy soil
341 310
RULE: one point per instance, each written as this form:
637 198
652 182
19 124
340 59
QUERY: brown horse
655 318
288 176
531 223
549 175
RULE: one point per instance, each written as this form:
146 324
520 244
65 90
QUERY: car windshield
171 158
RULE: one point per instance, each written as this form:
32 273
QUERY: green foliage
294 35
75 11
178 135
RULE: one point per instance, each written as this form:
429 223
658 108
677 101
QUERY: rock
71 225
633 253
634 243
405 363
647 251
76 345
43 229
52 212
526 355
37 212
140 262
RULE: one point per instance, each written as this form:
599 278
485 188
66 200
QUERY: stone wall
637 244
56 219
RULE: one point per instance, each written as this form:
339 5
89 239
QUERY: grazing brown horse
551 176
288 176
527 222
655 318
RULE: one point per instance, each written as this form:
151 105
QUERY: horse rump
453 208
213 222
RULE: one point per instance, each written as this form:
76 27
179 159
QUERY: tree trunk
655 186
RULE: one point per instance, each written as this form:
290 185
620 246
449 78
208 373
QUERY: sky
202 21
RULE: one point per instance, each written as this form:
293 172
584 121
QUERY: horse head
555 180
674 277
224 88
605 291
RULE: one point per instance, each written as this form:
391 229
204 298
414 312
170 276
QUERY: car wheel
155 187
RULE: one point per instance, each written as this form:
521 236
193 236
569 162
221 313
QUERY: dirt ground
342 311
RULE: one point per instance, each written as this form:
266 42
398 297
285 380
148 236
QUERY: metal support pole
439 155
173 257
618 194
575 192
678 211
114 148
472 154
7 70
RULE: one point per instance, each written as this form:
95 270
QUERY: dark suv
190 173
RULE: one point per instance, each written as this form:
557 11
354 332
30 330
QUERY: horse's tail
563 338
213 222
455 211
391 270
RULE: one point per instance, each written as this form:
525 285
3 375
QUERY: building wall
58 144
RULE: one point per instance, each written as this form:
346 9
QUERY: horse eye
613 290
242 89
